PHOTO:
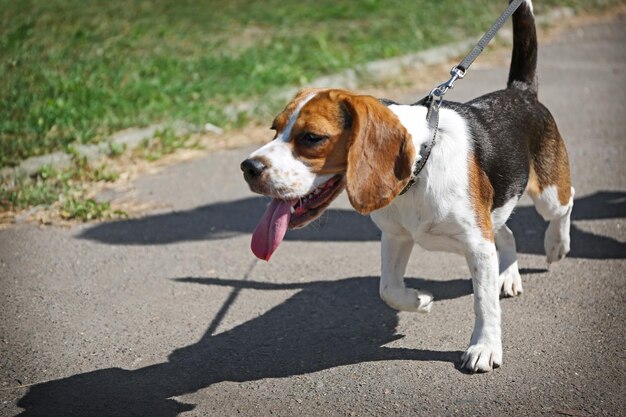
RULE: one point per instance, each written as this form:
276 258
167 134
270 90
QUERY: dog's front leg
396 250
485 349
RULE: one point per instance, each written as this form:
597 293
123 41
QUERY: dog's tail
524 60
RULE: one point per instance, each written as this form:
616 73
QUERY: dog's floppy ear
380 153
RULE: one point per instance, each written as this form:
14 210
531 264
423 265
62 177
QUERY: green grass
74 71
63 189
163 143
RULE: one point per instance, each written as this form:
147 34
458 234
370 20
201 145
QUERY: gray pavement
171 314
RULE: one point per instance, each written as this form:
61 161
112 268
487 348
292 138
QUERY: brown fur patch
380 154
549 164
533 188
280 122
481 195
322 116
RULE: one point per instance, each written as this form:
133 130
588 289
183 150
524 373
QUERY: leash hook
456 74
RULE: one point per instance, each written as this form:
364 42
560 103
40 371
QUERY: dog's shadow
227 219
324 325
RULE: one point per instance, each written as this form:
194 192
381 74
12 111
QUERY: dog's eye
312 138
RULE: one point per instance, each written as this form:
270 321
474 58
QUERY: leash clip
456 73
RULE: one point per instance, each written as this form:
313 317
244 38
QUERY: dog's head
327 140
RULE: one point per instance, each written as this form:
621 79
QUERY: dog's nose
252 168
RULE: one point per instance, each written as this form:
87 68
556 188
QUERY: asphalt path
170 314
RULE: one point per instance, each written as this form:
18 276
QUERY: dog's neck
413 118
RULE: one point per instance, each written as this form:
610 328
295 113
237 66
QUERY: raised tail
524 59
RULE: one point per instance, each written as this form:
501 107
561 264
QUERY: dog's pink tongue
271 229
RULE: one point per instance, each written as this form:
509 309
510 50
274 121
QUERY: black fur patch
503 126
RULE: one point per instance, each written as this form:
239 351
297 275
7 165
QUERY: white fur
556 240
509 281
530 5
395 250
485 349
548 205
500 215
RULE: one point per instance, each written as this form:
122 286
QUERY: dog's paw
481 357
510 282
424 301
407 299
556 250
556 241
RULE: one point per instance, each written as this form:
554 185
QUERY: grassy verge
64 189
165 142
73 71
69 192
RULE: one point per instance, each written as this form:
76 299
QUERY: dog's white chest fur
435 212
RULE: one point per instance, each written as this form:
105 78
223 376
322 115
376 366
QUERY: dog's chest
436 212
436 222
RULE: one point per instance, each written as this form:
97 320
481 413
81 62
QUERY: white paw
407 299
510 282
481 357
424 301
555 243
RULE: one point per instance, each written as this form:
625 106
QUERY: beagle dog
487 153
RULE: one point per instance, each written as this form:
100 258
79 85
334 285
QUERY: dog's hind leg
509 281
549 186
396 250
557 238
